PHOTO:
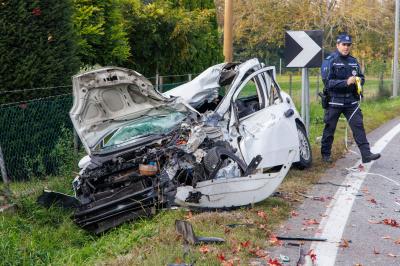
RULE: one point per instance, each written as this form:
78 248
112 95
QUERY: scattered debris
376 252
238 225
185 229
331 183
284 258
393 255
49 198
300 238
294 213
344 243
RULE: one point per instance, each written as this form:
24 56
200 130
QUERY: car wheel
304 149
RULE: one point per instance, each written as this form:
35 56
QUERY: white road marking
335 219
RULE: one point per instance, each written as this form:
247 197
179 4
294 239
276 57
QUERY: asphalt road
351 210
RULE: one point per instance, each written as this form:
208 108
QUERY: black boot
371 157
327 159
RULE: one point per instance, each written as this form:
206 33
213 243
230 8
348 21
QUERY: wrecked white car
189 146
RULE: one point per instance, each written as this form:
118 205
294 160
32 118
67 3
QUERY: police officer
339 72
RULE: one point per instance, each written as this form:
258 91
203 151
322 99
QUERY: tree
37 44
102 38
171 39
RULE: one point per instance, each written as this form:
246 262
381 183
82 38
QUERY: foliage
37 46
259 25
101 32
171 39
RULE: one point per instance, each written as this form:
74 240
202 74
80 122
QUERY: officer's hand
351 80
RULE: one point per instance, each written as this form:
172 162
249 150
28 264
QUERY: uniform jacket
335 71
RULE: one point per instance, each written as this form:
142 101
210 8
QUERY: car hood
110 97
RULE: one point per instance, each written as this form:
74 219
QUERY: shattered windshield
150 125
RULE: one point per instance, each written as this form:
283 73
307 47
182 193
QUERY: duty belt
342 95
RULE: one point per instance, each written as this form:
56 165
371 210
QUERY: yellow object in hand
359 86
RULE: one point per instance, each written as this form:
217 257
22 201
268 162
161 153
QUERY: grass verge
34 236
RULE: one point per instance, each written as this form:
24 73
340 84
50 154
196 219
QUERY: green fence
36 136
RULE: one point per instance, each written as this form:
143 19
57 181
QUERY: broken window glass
143 127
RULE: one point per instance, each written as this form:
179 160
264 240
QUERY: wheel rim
304 146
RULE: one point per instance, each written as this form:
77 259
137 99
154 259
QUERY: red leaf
258 252
312 255
274 240
372 201
204 249
391 222
245 244
293 213
221 257
310 222
36 11
274 262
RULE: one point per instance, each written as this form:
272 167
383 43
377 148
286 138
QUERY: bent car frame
189 146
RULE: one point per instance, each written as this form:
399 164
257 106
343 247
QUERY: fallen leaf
294 213
391 222
310 222
262 214
274 262
227 263
178 260
358 264
392 255
319 198
344 243
372 201
275 209
245 244
397 241
273 240
227 230
221 257
376 252
204 249
312 255
386 237
258 252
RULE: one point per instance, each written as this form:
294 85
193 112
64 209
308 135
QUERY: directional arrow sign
303 48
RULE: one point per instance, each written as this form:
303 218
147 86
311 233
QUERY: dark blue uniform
344 99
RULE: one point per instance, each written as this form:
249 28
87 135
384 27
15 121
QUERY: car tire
304 149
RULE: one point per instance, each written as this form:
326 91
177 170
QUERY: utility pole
228 25
396 52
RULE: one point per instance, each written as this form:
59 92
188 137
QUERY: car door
268 130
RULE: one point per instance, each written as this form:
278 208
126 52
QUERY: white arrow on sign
310 48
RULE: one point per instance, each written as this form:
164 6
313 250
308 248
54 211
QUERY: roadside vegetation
34 235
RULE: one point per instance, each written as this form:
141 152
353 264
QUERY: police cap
343 38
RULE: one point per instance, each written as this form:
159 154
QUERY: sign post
304 49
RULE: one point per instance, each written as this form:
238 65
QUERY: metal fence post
160 83
189 77
316 96
6 180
